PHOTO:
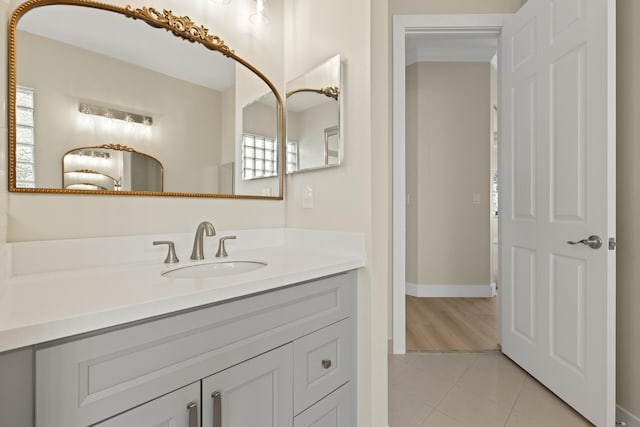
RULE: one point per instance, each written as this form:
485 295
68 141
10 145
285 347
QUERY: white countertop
45 306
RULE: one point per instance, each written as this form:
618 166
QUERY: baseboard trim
451 291
630 420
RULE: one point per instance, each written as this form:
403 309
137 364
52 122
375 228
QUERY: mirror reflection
88 77
313 118
111 167
259 136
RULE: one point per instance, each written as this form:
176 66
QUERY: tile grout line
524 380
455 382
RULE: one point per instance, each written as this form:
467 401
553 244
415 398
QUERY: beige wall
451 165
412 111
187 148
493 105
37 217
628 195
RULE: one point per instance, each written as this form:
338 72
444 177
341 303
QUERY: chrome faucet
205 226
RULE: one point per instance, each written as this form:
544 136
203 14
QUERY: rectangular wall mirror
314 118
105 104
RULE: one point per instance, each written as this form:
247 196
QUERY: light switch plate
307 196
476 199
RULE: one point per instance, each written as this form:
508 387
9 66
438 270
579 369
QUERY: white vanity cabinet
278 359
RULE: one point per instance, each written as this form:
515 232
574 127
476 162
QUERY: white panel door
558 185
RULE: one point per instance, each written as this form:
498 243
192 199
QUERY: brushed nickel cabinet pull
217 409
193 414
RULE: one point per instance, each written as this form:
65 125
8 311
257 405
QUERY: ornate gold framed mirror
94 75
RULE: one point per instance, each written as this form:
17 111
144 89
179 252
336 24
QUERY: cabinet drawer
335 410
88 380
322 362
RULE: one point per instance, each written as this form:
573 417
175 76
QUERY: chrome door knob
594 242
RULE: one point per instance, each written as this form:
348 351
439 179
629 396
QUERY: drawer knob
326 363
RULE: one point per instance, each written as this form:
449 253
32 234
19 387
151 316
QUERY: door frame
480 24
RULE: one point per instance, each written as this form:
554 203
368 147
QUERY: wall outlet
307 196
266 191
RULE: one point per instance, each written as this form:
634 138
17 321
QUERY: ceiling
131 41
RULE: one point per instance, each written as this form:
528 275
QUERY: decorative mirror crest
110 117
181 26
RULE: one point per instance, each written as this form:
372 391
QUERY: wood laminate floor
452 323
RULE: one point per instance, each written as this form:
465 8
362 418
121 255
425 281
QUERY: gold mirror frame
180 26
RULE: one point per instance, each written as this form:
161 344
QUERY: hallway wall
448 184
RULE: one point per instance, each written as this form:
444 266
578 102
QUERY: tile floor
483 389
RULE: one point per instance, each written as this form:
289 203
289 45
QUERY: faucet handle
171 254
222 250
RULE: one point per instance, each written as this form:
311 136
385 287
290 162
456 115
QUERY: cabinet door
258 392
180 408
335 410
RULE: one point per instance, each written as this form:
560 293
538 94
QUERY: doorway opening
425 40
451 208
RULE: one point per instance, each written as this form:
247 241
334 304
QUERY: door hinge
612 243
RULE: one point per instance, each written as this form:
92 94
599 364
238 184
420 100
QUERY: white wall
42 216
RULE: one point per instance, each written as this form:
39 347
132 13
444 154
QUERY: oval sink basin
213 269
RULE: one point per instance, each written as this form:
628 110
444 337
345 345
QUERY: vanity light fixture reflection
112 113
259 16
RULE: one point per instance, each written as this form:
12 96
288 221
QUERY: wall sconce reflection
114 122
